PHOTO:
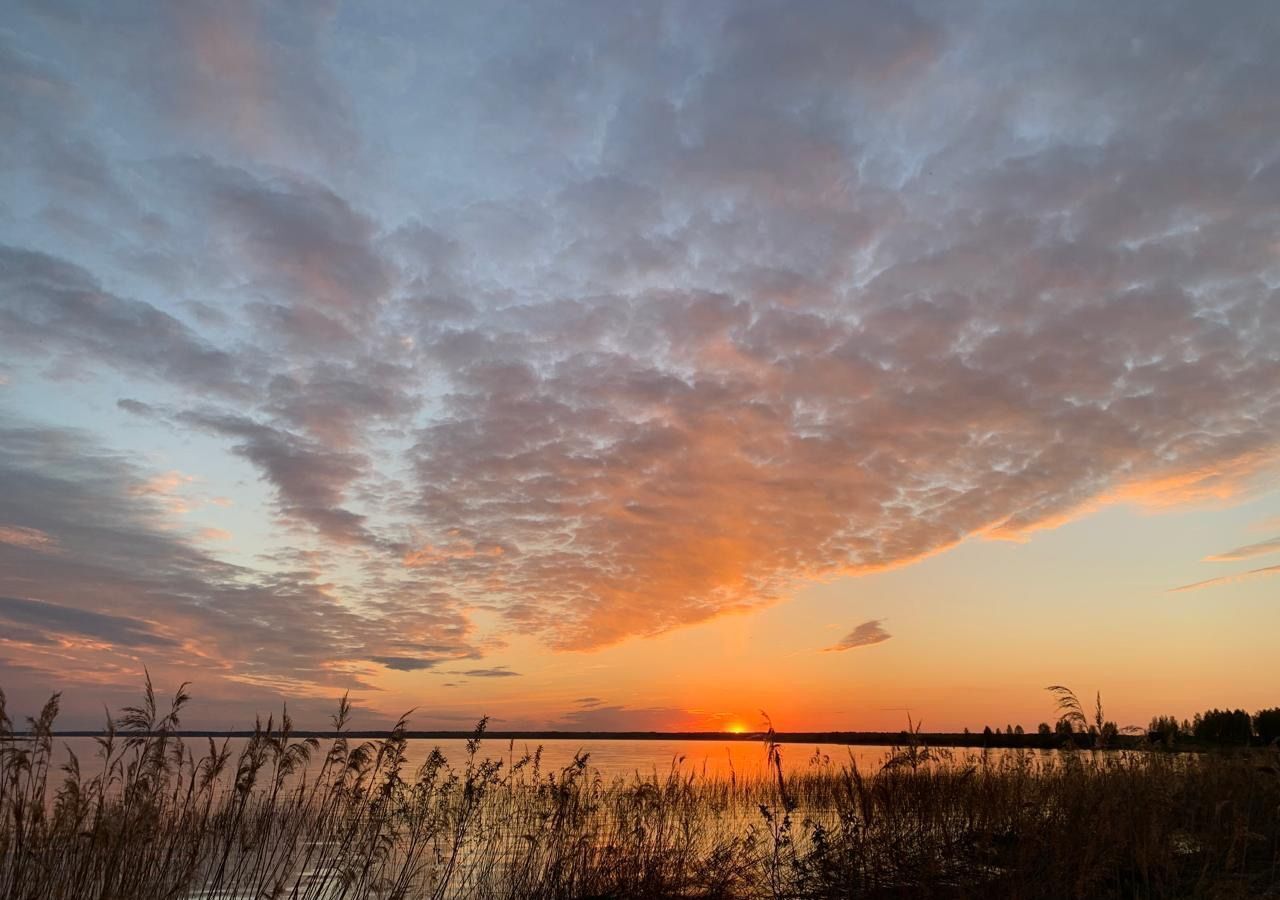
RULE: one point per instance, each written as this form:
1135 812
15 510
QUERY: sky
640 366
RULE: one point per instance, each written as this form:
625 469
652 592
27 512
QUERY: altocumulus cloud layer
601 321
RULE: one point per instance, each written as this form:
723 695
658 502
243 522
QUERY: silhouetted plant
1100 733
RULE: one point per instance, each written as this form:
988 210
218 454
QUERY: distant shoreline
838 738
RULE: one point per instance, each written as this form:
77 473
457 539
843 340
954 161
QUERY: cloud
125 590
50 307
42 621
30 538
625 718
1261 548
1263 572
334 402
309 478
493 672
405 663
248 80
864 635
252 73
34 96
300 240
429 554
877 349
648 317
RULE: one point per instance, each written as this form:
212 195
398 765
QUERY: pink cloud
215 534
28 538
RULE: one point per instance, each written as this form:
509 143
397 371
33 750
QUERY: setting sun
736 728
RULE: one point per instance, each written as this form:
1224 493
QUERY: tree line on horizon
1233 727
1218 727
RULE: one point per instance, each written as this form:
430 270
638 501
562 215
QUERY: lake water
628 758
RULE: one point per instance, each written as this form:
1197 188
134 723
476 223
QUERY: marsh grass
279 816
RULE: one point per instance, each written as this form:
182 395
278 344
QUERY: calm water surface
628 758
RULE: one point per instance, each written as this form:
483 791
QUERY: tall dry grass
296 818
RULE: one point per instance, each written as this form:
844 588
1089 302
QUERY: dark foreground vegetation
283 816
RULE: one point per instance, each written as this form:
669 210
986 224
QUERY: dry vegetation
285 817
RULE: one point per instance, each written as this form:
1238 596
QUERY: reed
279 816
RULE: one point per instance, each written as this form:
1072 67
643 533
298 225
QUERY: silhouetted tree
1044 730
986 732
1017 729
1221 726
1164 729
1266 724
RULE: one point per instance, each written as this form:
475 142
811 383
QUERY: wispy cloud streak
1249 551
1263 572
